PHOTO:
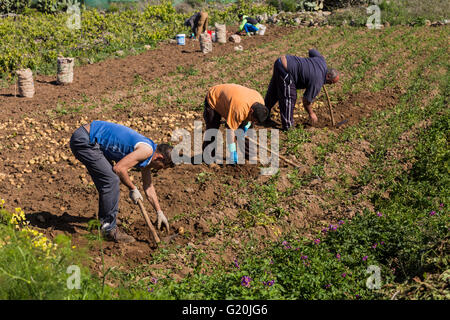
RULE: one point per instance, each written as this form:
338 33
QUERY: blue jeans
250 28
100 169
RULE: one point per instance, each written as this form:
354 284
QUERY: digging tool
169 239
341 123
274 153
329 105
149 223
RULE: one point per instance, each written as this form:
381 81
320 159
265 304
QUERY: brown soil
58 195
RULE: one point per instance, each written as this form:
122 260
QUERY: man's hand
162 220
247 126
233 153
135 195
313 118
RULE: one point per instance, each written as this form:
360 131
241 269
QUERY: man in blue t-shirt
97 145
291 73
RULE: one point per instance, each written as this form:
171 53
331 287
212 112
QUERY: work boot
118 236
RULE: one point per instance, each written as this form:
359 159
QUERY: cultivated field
393 92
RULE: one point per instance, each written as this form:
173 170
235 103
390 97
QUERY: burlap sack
25 83
235 38
205 43
221 33
65 70
261 29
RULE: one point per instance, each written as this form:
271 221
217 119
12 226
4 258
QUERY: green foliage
334 4
297 5
25 46
404 12
26 272
14 6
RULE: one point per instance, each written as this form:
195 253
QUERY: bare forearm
125 179
152 198
307 105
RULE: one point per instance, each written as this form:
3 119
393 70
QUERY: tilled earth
39 174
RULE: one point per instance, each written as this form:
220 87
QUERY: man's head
259 112
332 76
240 15
162 158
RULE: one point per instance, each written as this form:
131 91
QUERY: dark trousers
105 180
212 121
282 90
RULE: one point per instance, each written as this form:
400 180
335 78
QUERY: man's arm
314 53
149 189
308 108
121 168
241 26
150 192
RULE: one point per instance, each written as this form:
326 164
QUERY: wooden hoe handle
149 223
329 106
274 153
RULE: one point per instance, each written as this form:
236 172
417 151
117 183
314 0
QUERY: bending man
291 73
238 105
198 23
248 24
99 143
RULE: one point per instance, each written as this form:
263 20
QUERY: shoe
118 236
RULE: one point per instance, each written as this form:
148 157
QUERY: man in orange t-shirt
238 105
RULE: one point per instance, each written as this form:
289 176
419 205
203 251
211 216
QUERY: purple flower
358 296
245 281
379 214
332 227
271 261
432 213
317 241
382 243
286 245
324 230
364 258
236 264
304 257
154 280
269 283
327 286
344 275
341 222
338 256
150 289
441 205
374 246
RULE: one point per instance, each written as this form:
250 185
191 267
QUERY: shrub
14 6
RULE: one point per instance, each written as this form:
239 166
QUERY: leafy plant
14 6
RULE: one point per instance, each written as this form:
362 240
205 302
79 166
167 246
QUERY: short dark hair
240 15
332 73
260 112
166 151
